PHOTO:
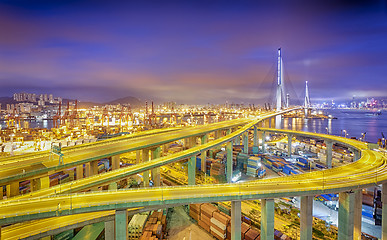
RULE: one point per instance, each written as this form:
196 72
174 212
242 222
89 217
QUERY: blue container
198 163
251 166
303 160
319 166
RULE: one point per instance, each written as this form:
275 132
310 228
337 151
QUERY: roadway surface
369 170
45 227
19 168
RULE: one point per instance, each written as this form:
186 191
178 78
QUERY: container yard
216 220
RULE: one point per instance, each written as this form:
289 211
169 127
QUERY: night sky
193 51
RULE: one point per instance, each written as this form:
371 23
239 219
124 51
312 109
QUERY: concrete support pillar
268 122
165 148
228 131
40 183
216 134
145 158
192 142
204 140
13 189
357 215
267 219
115 162
272 122
93 168
306 218
290 136
33 185
71 174
109 230
156 153
192 170
255 138
356 155
384 211
329 145
238 140
138 156
236 222
87 169
278 121
346 215
229 162
263 142
121 224
246 142
79 171
112 186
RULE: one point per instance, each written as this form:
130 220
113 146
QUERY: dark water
33 124
354 122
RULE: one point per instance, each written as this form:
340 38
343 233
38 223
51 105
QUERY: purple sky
192 52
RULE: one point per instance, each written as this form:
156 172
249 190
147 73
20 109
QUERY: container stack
217 169
209 161
252 234
155 227
221 155
136 226
244 228
219 223
253 164
242 161
194 211
206 212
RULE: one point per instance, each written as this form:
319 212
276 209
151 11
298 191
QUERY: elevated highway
369 170
20 168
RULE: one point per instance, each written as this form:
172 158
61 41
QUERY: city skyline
192 52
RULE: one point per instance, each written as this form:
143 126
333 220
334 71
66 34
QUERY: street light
345 131
363 136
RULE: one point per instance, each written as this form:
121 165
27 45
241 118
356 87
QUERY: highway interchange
369 170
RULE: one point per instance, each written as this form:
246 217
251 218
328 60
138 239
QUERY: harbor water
352 123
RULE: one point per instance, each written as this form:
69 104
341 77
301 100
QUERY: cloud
191 52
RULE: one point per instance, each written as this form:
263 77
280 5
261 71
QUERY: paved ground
181 227
323 212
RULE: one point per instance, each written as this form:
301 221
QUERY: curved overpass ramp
370 169
19 168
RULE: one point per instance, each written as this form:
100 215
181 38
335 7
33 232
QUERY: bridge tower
279 81
306 100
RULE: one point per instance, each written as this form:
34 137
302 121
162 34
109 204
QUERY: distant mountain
126 100
6 100
88 104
